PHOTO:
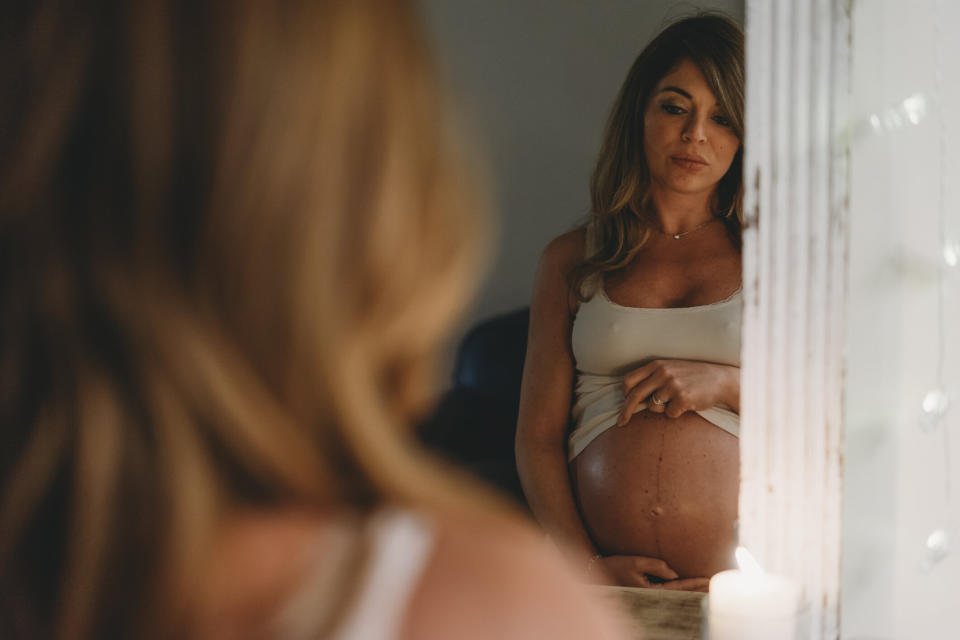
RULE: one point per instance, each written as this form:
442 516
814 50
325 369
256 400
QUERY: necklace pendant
676 236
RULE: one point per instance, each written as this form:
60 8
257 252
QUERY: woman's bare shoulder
258 559
557 262
565 251
497 578
488 576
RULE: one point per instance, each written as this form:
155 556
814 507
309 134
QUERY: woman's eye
672 109
723 121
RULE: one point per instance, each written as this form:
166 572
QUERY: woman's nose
694 131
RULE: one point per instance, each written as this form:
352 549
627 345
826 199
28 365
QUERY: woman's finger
643 581
656 567
688 584
655 382
675 408
658 401
633 579
629 410
638 375
632 403
650 383
636 396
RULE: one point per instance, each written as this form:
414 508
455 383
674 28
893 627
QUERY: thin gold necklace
677 236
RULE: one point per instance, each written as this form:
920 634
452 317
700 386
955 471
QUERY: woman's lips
689 162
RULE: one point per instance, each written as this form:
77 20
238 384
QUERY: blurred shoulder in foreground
233 236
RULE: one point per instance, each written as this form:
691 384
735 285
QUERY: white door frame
794 274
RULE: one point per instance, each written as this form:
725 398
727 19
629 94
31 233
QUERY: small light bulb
915 107
951 253
938 548
935 402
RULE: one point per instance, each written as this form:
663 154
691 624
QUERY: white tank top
610 340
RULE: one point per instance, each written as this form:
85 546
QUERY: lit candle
749 604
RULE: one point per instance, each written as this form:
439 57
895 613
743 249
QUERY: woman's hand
637 571
630 571
676 386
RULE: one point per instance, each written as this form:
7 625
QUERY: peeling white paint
795 270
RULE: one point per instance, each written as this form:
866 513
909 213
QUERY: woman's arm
546 398
730 388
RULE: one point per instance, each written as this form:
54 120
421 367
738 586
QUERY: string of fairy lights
935 405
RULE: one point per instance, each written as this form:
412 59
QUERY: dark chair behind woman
475 423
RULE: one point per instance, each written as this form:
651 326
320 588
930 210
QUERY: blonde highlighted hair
620 215
231 236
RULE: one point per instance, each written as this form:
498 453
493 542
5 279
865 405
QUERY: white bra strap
402 545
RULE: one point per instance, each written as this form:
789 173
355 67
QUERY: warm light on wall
951 253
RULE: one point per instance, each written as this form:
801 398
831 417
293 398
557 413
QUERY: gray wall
535 80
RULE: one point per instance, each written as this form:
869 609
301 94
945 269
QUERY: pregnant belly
664 488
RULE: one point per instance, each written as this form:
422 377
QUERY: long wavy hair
620 219
231 237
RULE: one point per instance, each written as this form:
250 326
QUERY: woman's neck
680 212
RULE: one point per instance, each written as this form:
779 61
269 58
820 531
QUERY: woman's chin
690 184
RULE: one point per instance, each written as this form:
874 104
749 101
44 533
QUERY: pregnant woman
627 437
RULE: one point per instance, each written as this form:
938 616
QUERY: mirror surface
537 82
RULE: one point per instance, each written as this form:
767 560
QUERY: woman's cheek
727 151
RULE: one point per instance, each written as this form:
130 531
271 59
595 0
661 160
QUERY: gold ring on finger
656 399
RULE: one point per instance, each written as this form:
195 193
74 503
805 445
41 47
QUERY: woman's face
687 139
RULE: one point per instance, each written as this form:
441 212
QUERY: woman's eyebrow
682 92
685 94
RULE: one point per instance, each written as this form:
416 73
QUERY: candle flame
746 562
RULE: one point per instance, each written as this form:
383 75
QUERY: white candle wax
751 605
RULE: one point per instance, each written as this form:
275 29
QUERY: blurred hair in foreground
231 237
